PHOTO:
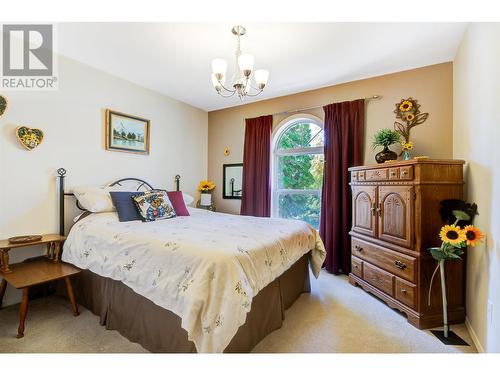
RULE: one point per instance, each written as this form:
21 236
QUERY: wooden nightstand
40 271
211 207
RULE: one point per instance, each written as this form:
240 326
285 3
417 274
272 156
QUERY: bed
208 282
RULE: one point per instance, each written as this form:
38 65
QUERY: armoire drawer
401 265
406 173
377 174
357 266
380 279
406 293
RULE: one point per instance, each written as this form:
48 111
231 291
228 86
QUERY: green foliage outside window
304 171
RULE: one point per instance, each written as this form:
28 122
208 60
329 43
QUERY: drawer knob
358 248
405 172
400 264
403 291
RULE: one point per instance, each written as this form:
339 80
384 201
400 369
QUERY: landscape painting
126 133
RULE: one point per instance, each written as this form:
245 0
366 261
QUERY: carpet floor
334 318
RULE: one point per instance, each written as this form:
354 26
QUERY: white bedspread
206 268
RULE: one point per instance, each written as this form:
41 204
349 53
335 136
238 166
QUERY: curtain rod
374 97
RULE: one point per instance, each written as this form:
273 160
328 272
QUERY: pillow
153 205
125 206
177 200
94 198
188 199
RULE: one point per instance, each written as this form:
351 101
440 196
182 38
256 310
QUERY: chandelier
241 80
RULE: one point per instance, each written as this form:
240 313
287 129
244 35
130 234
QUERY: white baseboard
473 336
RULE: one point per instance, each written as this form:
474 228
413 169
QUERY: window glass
301 134
298 172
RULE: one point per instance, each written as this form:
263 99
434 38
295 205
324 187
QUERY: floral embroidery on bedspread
206 268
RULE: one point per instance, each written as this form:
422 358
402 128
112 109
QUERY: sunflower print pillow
154 205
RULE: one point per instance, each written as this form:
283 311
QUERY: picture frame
232 176
127 133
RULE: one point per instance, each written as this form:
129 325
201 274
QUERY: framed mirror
232 181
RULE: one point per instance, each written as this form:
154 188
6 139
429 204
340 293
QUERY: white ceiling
175 58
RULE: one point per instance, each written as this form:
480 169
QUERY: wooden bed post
61 174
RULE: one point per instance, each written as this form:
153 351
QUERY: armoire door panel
396 211
363 210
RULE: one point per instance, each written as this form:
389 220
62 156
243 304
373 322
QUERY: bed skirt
159 330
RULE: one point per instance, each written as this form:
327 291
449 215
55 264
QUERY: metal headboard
142 182
61 172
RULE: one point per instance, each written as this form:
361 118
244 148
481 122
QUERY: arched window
298 169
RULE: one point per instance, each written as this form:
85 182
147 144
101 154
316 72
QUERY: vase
385 155
206 199
406 155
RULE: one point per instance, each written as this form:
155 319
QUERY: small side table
210 207
40 271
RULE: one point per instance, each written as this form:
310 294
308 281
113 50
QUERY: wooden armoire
395 219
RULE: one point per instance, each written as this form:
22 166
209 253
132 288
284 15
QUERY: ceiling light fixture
241 80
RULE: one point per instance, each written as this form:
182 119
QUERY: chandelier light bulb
245 63
216 82
261 77
219 67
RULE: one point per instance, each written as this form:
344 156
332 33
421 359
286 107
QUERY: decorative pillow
154 205
177 199
94 198
125 206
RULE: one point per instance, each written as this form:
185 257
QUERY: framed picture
127 133
232 176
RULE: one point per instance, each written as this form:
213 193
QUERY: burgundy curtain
256 185
344 135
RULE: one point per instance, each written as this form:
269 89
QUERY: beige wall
476 99
431 85
73 121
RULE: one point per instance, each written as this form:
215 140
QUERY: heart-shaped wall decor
29 138
3 104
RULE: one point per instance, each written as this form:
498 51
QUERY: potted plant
205 187
384 138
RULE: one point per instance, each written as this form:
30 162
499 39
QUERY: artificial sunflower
410 117
473 235
406 105
452 235
206 185
408 145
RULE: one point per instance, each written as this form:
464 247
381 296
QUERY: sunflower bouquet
406 148
454 238
206 186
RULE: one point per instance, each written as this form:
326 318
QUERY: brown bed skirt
159 330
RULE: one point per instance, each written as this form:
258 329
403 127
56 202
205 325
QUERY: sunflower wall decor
408 110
